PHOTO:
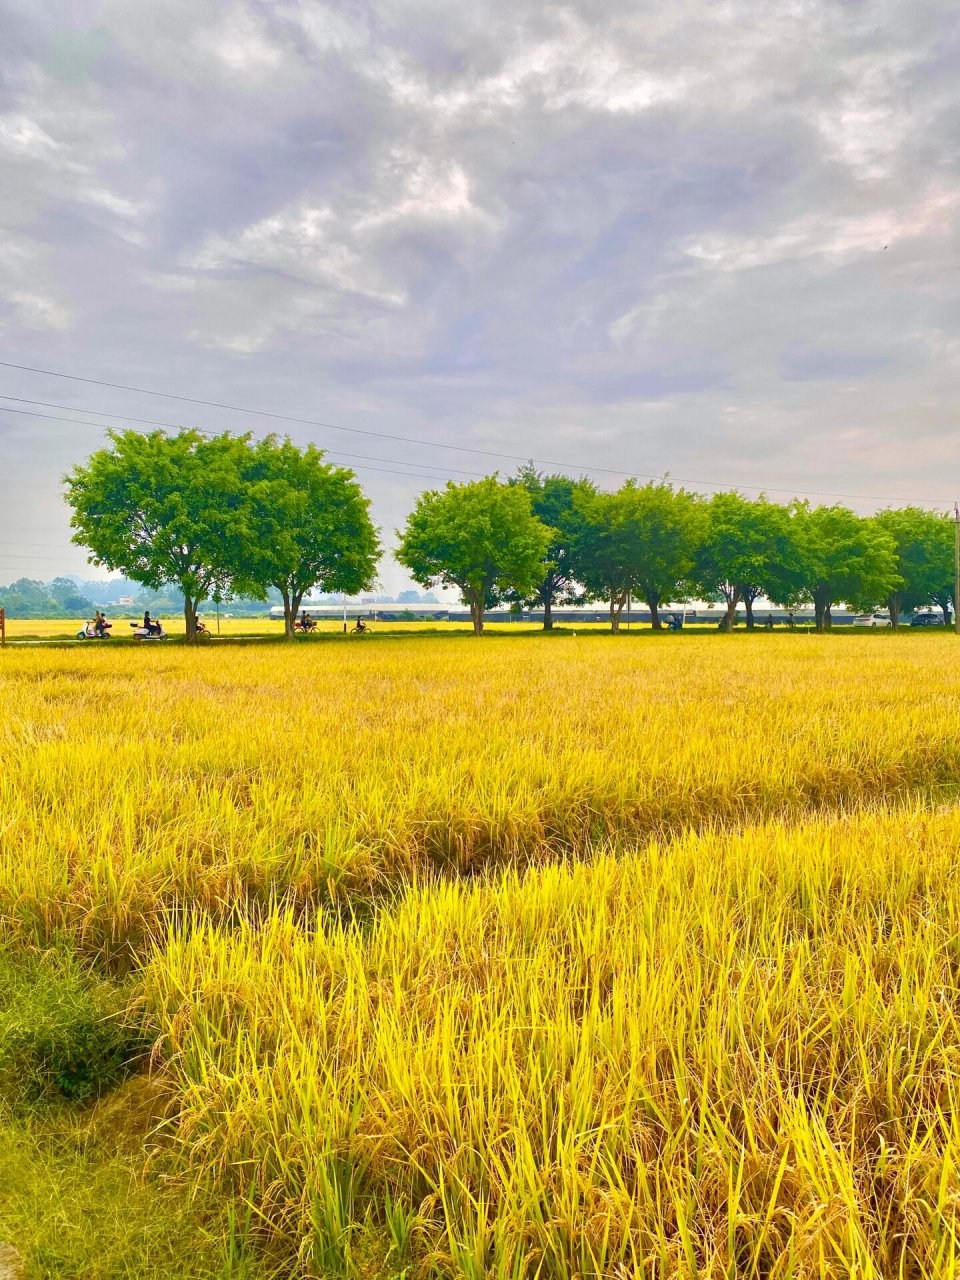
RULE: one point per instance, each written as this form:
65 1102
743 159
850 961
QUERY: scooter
90 632
140 632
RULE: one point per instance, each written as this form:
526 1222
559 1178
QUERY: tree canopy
312 522
169 509
553 500
481 537
640 540
746 550
840 556
923 542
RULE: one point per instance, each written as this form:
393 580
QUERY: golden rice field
528 958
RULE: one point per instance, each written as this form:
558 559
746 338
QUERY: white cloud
302 243
27 294
416 187
36 312
520 225
21 136
832 237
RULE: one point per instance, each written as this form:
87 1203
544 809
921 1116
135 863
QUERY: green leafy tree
923 542
553 500
943 590
641 540
840 556
169 509
746 551
27 598
313 525
481 537
66 595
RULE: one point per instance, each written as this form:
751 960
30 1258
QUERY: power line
178 426
85 422
279 417
429 444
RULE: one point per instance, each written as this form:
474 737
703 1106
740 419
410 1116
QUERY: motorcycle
154 632
90 632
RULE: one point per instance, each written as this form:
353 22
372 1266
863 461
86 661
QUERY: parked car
928 619
879 619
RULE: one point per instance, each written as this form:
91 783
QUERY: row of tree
225 515
547 540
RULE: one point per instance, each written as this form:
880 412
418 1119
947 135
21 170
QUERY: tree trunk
821 611
893 605
653 604
945 610
548 614
616 608
730 616
190 617
748 607
289 614
476 616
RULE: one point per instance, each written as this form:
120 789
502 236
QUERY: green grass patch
64 1033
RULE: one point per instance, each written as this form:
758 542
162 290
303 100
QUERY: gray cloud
716 239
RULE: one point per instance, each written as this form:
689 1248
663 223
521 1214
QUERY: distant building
122 600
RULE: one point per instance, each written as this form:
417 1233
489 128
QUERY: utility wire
279 417
178 426
429 444
85 422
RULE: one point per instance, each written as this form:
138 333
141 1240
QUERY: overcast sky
710 237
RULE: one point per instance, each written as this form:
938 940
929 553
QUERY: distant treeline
67 597
64 597
226 515
59 598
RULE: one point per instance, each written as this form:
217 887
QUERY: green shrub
63 1032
